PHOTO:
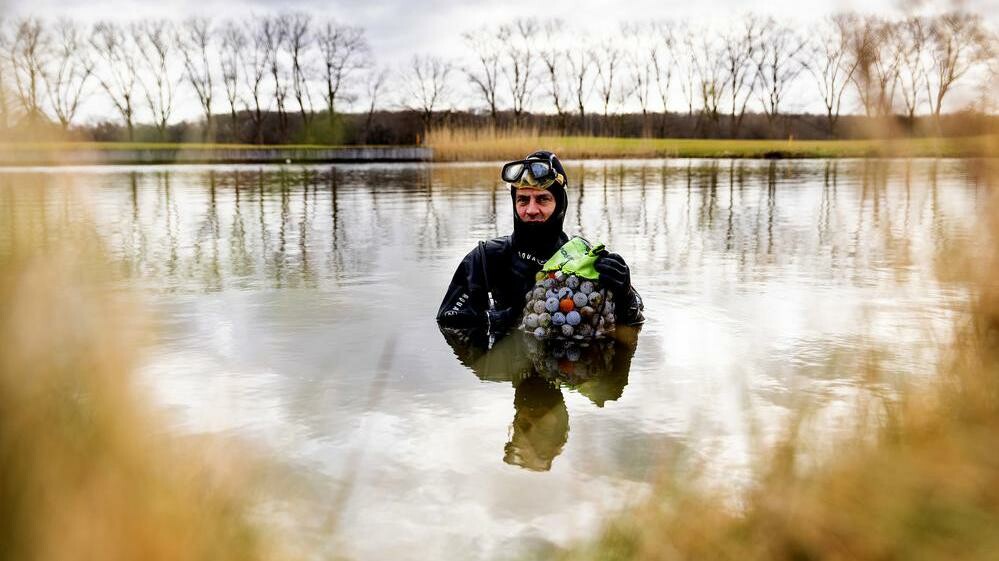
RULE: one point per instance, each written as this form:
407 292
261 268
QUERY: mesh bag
567 301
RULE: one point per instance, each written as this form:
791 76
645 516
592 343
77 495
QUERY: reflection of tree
336 237
208 233
848 216
240 258
136 238
171 218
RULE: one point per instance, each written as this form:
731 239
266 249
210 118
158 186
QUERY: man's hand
500 320
614 273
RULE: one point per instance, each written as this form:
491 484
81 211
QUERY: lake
294 310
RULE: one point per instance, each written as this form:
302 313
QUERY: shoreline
485 148
72 154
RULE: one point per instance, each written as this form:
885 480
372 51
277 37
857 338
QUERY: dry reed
497 144
917 478
85 469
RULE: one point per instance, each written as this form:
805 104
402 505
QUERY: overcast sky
396 29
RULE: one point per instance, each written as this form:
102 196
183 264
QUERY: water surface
295 309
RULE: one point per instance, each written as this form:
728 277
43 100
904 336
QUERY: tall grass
85 469
491 144
916 478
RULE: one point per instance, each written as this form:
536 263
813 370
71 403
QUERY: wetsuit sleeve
466 302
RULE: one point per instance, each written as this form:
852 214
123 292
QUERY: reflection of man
540 425
488 288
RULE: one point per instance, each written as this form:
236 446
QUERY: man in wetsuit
504 268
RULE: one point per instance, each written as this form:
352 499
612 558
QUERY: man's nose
533 208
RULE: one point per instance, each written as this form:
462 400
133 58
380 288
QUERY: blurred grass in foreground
85 469
457 144
916 477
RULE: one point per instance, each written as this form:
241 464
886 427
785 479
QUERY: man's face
534 205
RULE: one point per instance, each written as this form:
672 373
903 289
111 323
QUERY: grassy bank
477 145
461 145
138 153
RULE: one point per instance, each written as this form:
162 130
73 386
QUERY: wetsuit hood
542 239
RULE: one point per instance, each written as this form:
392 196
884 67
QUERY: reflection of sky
298 314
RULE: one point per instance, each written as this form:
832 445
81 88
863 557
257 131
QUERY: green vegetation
472 145
462 145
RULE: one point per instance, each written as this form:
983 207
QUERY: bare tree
374 84
957 43
709 66
155 41
275 33
606 61
518 38
778 65
28 57
551 55
912 40
879 59
344 50
686 63
643 41
661 58
118 75
4 76
195 41
989 84
427 86
69 71
485 47
256 63
829 62
298 41
580 61
739 47
232 46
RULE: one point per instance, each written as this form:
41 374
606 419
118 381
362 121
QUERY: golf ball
595 299
580 299
558 318
572 318
586 287
551 304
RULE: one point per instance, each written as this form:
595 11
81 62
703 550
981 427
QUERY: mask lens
540 169
512 172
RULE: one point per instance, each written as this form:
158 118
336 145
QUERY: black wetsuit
510 269
507 267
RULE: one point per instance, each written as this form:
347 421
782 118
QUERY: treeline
295 78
